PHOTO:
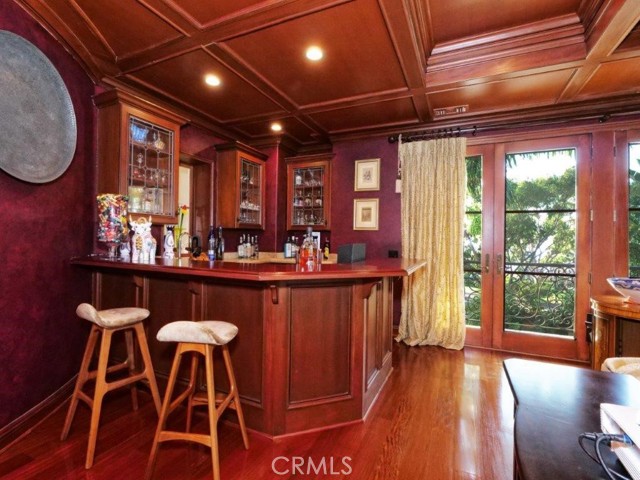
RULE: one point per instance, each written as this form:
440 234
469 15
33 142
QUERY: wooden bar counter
313 348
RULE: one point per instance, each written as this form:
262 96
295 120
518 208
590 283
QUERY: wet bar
313 349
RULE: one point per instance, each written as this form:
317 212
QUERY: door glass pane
634 210
540 242
473 241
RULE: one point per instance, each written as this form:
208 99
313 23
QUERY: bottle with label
256 248
308 257
248 248
220 245
241 253
287 248
211 244
326 248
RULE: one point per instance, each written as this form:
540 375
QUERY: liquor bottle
256 248
287 248
294 246
241 253
308 257
326 248
211 243
220 245
248 248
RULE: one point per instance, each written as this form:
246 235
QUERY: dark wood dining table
554 404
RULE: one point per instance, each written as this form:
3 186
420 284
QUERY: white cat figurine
143 245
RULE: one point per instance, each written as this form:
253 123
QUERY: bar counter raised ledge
313 349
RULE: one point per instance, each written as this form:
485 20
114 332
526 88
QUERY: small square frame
365 214
367 175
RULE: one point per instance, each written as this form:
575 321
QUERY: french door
526 246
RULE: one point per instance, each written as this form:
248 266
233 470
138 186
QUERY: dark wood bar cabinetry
240 186
137 153
313 349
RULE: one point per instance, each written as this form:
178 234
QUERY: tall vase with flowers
178 230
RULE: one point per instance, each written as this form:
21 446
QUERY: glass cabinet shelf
150 179
308 199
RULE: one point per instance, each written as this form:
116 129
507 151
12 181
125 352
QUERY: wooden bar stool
106 323
200 338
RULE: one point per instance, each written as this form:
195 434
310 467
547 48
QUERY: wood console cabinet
309 192
240 186
138 147
616 329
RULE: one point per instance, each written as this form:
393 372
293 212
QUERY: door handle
487 263
499 264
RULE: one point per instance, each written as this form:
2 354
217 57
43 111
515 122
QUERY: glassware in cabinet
138 154
241 186
309 192
150 180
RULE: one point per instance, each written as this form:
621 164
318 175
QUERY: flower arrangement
182 211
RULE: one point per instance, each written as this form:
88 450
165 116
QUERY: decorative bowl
627 287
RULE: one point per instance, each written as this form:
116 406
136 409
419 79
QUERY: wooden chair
199 338
105 324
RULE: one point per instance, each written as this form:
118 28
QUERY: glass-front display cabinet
240 186
138 155
309 192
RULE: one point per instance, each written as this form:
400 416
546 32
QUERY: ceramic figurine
169 243
143 245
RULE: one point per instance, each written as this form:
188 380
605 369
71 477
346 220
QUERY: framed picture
365 214
316 239
367 175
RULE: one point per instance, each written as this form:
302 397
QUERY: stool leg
236 396
164 412
213 412
148 366
131 363
192 388
83 376
101 390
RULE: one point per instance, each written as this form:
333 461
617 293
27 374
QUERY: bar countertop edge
258 272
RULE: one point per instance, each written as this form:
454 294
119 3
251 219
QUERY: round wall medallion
37 123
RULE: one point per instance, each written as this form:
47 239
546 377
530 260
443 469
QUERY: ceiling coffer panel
126 25
534 90
388 113
354 39
182 78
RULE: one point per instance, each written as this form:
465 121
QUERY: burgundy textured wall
43 225
387 237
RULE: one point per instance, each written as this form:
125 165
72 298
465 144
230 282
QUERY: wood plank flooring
442 415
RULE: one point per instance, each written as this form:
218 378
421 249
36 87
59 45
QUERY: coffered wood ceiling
389 65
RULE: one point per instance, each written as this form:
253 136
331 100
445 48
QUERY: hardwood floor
442 415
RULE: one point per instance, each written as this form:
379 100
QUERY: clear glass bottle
211 243
308 256
220 245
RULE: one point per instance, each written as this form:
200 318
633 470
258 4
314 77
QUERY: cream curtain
433 196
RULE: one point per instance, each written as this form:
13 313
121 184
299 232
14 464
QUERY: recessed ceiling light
212 80
314 53
276 127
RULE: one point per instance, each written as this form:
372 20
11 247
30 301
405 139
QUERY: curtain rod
433 134
457 131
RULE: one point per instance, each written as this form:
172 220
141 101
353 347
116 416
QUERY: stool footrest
168 435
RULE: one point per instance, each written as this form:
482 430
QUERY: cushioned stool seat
628 365
199 339
105 324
